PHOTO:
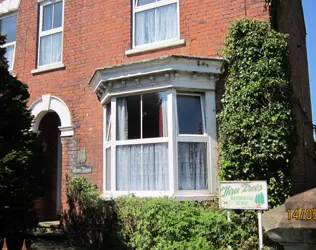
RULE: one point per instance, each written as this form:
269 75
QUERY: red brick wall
96 34
289 19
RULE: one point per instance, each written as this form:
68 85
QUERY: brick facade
97 34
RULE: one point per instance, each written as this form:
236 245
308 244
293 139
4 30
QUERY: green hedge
153 223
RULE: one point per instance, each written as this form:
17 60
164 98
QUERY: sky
310 22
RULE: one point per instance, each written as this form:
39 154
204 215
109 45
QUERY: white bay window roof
159 127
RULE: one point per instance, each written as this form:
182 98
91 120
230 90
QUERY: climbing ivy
256 124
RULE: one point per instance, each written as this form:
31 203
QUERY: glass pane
142 167
47 17
50 49
189 114
156 24
108 169
128 118
155 115
192 161
58 11
143 2
45 50
9 55
166 22
108 122
8 28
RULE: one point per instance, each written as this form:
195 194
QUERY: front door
48 207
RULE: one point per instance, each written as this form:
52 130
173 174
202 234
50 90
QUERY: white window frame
49 32
155 45
172 140
11 43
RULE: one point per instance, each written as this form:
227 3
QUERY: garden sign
251 195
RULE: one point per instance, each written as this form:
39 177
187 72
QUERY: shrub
256 124
89 220
163 223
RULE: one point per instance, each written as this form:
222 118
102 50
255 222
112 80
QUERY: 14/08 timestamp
301 214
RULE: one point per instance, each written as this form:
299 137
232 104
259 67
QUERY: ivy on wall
256 124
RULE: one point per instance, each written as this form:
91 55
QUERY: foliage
153 223
90 221
20 156
256 124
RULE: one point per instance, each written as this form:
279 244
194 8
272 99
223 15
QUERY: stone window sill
154 46
48 68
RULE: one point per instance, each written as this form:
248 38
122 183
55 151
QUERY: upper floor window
8 28
50 33
155 21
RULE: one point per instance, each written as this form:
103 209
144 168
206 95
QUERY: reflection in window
142 116
8 29
108 122
190 114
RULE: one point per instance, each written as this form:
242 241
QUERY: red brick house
127 90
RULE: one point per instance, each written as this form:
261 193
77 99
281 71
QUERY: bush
89 220
163 223
153 223
256 124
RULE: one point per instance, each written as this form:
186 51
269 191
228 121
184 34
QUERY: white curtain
192 165
122 119
50 49
9 55
142 167
156 24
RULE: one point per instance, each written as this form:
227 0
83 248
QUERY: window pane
108 122
9 55
50 49
47 17
155 115
192 165
156 24
143 2
108 169
58 10
8 28
128 118
189 114
142 167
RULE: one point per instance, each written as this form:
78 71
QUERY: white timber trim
49 103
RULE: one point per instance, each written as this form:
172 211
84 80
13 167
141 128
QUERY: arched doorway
49 206
52 122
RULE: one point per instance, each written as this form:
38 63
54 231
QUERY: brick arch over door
52 103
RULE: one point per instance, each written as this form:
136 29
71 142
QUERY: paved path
40 244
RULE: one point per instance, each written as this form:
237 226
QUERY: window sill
48 68
179 196
154 46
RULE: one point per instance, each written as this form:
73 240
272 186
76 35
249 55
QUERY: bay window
159 134
50 33
8 28
141 143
